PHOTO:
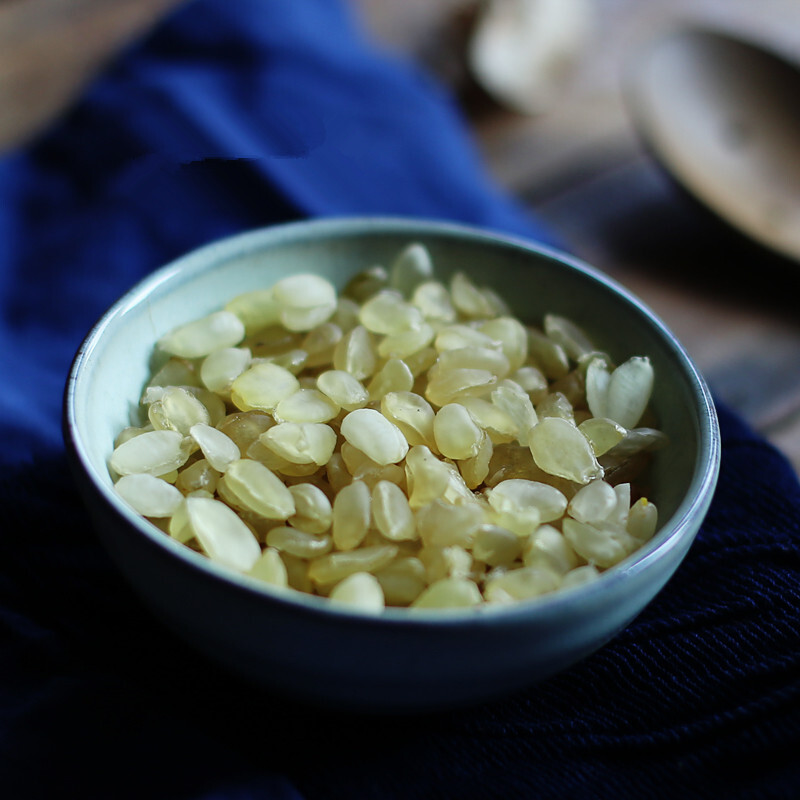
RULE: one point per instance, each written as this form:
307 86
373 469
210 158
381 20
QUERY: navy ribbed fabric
239 114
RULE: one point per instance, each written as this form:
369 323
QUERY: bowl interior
115 361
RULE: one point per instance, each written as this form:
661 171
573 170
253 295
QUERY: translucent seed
493 419
301 442
343 389
447 562
402 581
559 448
394 376
421 361
433 300
449 593
298 543
219 449
412 414
448 387
603 547
177 410
580 576
411 267
306 405
203 336
369 431
406 343
304 300
602 433
367 283
334 567
468 299
567 334
474 470
532 380
221 368
262 387
629 391
548 548
517 495
456 434
387 313
460 337
510 398
244 427
513 338
355 353
556 404
148 495
593 503
392 513
297 573
427 477
257 309
361 591
320 342
496 546
598 377
154 452
222 534
176 372
547 355
522 584
351 515
129 433
258 489
270 569
642 520
487 358
198 476
346 314
442 524
313 511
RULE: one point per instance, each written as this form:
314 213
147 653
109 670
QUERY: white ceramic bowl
400 660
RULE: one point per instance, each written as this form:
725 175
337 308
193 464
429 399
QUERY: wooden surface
579 166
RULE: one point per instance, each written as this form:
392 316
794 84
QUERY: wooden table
579 166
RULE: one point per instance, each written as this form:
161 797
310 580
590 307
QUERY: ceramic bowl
401 660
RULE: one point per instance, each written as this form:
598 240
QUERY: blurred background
540 84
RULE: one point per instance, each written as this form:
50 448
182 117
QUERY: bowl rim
671 534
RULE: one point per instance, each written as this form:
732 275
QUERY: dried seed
270 569
352 513
298 543
258 489
392 513
148 495
262 387
361 591
203 336
559 448
154 452
334 567
222 534
369 431
220 450
449 593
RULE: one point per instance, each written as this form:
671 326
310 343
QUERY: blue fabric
239 114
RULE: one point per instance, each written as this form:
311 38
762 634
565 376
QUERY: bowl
400 660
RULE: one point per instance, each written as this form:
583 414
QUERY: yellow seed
262 387
360 591
449 593
258 489
369 431
351 515
392 513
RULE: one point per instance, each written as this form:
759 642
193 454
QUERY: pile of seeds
407 443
